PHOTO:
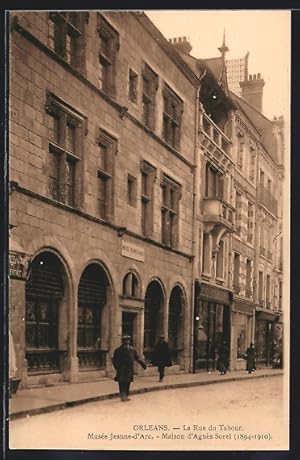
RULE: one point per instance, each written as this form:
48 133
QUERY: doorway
128 326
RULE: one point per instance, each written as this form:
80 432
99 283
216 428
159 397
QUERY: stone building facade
238 276
102 129
136 200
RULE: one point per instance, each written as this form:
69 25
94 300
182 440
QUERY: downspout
196 192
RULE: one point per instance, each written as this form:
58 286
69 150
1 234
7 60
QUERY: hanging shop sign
18 265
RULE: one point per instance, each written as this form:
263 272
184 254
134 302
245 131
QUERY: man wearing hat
161 356
123 360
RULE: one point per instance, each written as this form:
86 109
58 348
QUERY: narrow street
242 415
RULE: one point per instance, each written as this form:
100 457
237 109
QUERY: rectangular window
260 288
268 291
150 86
220 261
65 143
107 151
214 182
236 273
250 223
248 278
132 85
108 47
66 30
280 296
238 206
131 190
252 165
173 107
240 156
169 211
147 186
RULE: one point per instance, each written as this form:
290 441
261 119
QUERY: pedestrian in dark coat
123 360
223 360
250 358
161 356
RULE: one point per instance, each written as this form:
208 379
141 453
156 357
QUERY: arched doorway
153 317
92 298
175 323
44 295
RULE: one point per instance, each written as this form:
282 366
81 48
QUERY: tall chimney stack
182 44
252 90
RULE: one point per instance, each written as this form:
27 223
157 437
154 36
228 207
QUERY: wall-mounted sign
18 265
132 251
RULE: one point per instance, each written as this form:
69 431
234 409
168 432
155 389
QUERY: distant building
237 71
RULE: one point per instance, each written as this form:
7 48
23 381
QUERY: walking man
161 356
123 360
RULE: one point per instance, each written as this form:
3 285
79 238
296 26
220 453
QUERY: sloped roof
262 123
216 66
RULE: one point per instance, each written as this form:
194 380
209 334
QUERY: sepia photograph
149 228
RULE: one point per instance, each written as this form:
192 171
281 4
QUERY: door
128 326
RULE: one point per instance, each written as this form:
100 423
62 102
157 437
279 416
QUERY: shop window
106 158
150 86
169 211
173 107
131 190
109 45
241 334
148 174
65 151
132 85
131 285
66 35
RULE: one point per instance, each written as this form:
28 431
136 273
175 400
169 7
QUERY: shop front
265 327
242 331
211 325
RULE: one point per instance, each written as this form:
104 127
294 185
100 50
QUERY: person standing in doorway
123 360
250 358
223 360
161 356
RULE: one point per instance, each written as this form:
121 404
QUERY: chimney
252 90
182 44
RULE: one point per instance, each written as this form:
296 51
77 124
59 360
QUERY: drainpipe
195 249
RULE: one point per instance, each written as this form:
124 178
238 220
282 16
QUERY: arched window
44 292
175 323
131 285
91 300
153 323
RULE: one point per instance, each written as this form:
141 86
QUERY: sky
265 34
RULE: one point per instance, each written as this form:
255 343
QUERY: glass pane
30 311
71 138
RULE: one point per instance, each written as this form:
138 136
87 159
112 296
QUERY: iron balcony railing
216 134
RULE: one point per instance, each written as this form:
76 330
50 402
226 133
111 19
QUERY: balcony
214 140
267 199
219 213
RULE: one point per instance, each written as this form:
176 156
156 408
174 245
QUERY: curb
172 386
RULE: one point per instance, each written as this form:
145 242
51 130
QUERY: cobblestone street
245 415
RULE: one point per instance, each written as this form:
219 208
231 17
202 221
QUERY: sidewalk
39 400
